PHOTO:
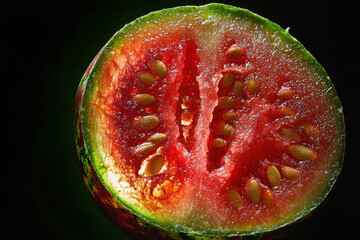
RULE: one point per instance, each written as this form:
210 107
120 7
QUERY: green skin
125 216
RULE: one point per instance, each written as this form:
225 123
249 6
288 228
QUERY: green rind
223 11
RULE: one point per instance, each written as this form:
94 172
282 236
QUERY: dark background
48 45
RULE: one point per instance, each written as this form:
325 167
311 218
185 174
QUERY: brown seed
252 85
157 138
219 143
290 173
253 190
234 198
235 52
227 80
229 116
284 111
238 88
158 67
144 99
151 166
226 102
146 122
301 152
311 130
144 148
147 78
292 135
273 176
224 128
268 197
285 94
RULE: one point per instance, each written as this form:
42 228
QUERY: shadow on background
51 45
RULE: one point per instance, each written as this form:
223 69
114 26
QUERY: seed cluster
256 191
226 103
150 151
231 88
274 175
152 164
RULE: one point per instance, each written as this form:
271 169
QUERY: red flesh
255 144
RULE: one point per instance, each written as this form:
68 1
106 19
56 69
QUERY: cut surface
212 120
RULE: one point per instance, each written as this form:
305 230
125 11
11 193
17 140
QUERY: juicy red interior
192 86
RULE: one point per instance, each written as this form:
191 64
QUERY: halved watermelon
208 122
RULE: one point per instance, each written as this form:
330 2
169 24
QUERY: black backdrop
48 46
